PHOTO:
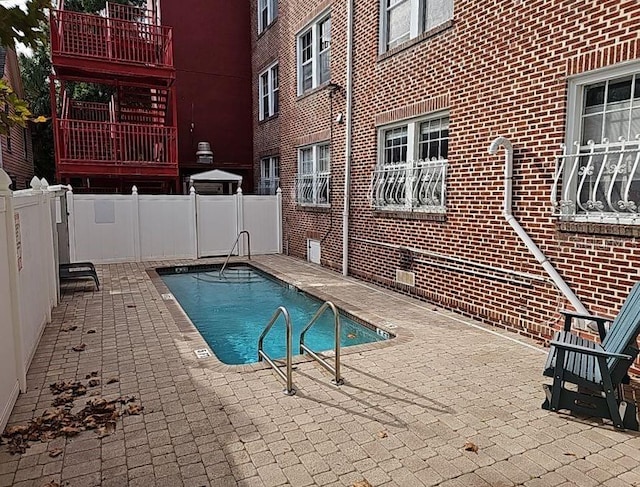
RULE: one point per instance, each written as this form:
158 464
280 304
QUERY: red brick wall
501 68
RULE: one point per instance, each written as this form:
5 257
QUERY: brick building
16 152
434 83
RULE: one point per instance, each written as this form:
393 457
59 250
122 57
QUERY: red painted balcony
127 43
124 149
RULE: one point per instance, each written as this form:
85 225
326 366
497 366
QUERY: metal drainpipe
347 144
511 220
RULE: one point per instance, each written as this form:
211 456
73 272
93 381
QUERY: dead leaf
133 409
79 348
89 332
131 305
469 446
93 382
16 430
108 429
91 374
63 399
569 454
69 328
113 380
70 430
51 484
56 452
382 434
351 335
362 483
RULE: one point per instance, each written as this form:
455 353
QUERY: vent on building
405 277
204 155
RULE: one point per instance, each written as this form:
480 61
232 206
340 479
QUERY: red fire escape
132 138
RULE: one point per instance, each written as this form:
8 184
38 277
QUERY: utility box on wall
313 251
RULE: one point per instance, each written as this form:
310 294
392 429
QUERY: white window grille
314 175
597 178
268 87
269 175
267 12
403 20
412 166
314 55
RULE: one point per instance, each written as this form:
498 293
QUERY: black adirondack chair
598 370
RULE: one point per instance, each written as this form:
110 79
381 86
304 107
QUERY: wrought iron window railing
598 182
313 189
410 186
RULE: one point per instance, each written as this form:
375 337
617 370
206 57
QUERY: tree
24 26
35 70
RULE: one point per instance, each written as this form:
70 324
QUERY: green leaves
18 25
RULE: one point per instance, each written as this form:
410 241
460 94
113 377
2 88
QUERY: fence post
279 218
47 241
12 257
194 220
71 224
135 208
240 221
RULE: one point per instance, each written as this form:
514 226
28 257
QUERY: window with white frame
598 176
314 55
312 181
405 19
267 12
269 175
268 95
412 164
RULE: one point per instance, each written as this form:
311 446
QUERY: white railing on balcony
598 182
313 189
410 186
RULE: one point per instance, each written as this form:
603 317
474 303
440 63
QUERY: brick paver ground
402 418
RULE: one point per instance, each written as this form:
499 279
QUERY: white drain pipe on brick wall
347 143
511 220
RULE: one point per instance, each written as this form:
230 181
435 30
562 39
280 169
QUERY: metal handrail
303 348
289 391
226 261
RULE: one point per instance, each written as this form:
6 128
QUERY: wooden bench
597 370
79 270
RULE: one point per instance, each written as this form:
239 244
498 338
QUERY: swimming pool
230 313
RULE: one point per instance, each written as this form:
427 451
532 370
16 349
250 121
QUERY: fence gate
216 223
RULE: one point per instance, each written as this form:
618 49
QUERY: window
598 176
267 12
412 164
312 182
269 175
269 92
314 55
406 19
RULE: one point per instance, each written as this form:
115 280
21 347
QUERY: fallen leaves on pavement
468 446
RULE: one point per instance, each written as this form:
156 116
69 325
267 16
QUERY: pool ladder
226 261
287 376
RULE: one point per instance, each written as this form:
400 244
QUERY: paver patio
401 419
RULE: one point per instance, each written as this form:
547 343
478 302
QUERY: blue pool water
231 312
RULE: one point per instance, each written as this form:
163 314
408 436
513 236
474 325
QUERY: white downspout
511 220
347 144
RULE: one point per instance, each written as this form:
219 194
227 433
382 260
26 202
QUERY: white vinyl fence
128 228
28 282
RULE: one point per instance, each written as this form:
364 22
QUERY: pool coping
190 333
